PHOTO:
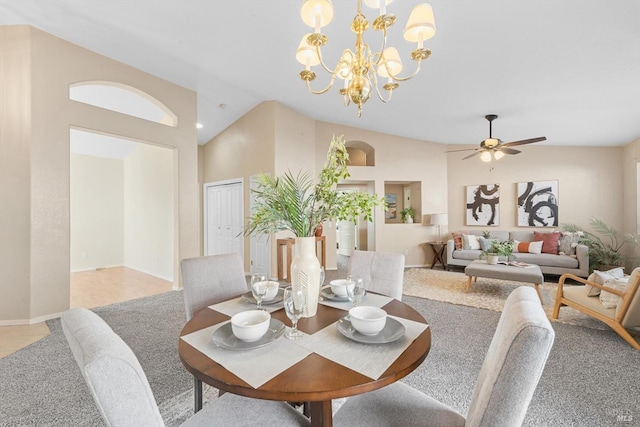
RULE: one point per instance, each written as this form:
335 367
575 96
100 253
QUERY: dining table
328 362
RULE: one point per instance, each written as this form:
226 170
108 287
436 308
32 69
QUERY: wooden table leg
469 283
321 414
538 291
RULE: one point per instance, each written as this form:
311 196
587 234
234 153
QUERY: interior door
259 250
224 218
347 236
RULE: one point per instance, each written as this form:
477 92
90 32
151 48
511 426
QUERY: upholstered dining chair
122 393
208 280
625 315
508 377
382 271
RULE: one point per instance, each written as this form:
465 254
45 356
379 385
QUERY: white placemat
256 367
237 305
368 359
373 300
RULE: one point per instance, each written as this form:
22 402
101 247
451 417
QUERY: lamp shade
486 156
393 61
375 4
439 219
498 155
306 54
317 12
421 25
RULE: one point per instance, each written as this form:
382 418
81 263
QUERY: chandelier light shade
359 68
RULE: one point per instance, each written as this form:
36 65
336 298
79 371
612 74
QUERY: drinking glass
322 276
294 303
258 288
355 290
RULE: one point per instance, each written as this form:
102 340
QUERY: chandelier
360 69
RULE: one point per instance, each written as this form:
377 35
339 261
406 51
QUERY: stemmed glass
322 276
355 290
294 303
258 288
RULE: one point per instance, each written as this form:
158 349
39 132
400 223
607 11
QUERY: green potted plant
498 249
407 214
605 252
294 203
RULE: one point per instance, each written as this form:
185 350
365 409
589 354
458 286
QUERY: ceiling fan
495 145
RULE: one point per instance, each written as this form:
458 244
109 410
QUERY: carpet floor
591 378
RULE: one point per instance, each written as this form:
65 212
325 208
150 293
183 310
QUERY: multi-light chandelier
360 69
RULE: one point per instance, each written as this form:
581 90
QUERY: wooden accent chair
625 315
382 272
209 280
122 393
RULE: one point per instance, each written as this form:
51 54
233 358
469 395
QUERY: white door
260 254
223 218
347 236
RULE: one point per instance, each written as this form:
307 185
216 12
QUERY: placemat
373 300
237 305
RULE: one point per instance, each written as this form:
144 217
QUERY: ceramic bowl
368 320
272 290
339 287
250 325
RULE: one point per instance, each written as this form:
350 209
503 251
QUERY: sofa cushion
609 300
469 241
521 236
549 241
467 254
527 247
457 238
560 261
568 242
601 277
485 244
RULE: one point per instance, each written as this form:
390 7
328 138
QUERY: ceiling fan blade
474 154
463 149
507 150
524 141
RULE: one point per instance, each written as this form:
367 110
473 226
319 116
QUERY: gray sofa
549 264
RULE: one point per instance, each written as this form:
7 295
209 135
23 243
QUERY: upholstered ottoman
530 274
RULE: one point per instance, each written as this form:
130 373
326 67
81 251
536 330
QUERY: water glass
355 290
259 288
322 276
294 304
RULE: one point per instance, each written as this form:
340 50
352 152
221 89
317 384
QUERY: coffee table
480 268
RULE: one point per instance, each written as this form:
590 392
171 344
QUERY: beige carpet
449 286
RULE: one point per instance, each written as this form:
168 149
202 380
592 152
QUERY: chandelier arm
412 75
377 89
379 53
320 92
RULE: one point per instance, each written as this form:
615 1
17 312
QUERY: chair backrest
112 372
211 279
382 271
629 307
514 362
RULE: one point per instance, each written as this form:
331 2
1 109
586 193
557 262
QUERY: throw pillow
527 247
601 277
568 242
485 243
610 300
549 241
457 238
470 241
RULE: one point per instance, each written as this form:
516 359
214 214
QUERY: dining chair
208 280
382 272
508 377
625 314
122 393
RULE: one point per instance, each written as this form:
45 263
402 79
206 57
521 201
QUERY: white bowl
250 325
272 290
339 287
368 320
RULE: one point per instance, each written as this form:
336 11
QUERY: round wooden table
314 379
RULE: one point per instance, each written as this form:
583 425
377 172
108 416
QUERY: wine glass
355 290
294 304
322 276
258 288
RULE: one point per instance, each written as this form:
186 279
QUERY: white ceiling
568 70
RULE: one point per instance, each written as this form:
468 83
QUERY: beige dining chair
625 315
209 280
122 393
508 377
382 272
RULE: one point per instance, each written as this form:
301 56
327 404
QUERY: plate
392 331
248 297
223 337
328 294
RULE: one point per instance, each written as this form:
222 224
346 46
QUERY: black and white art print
483 204
538 204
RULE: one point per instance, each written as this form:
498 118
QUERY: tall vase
305 273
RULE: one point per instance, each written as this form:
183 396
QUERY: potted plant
407 215
498 249
294 203
606 252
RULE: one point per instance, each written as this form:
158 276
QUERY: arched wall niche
361 153
123 99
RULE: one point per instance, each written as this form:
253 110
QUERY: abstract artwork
392 206
483 204
538 204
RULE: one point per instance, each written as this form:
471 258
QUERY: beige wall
97 206
37 71
631 190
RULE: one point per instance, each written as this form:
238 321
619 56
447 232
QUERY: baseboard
40 319
168 279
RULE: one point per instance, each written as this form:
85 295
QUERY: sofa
554 264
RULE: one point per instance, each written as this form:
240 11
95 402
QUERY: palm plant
294 203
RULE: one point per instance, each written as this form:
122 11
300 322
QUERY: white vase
305 273
492 259
409 220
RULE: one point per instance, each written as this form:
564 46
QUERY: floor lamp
439 219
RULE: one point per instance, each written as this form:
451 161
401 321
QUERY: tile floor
89 289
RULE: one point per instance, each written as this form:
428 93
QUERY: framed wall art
538 204
392 205
483 204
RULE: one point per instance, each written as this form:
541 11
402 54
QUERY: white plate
328 294
248 297
391 332
223 337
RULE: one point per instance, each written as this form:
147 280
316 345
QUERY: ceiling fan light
486 156
498 155
491 142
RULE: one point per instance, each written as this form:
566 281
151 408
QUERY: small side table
438 252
